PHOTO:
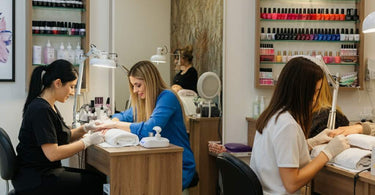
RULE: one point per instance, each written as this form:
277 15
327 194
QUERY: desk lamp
100 59
160 56
368 25
335 84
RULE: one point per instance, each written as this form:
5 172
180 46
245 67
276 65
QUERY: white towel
119 138
351 159
354 158
361 141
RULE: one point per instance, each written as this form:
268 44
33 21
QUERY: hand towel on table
361 141
351 159
119 138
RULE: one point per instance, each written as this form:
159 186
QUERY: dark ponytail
43 76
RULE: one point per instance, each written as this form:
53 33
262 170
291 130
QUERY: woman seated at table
153 104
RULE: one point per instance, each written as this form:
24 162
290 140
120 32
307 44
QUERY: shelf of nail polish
333 64
324 21
72 4
58 28
58 35
292 1
60 8
317 14
308 41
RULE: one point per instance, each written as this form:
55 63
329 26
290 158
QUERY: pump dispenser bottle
61 52
49 53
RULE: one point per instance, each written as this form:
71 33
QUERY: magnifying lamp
160 56
368 25
208 87
100 59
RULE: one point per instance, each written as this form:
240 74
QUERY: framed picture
7 23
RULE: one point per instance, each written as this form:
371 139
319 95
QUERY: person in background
45 139
282 130
322 109
153 104
187 78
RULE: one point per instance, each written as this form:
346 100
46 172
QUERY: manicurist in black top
187 78
45 139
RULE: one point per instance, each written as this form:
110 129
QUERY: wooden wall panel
198 23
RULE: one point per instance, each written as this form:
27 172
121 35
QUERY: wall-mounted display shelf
53 25
329 29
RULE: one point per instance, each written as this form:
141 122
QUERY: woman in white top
280 156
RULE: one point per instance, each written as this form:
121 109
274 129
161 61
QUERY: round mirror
208 85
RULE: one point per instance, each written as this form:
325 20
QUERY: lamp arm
78 88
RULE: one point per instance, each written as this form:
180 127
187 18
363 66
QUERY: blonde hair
187 53
154 84
324 99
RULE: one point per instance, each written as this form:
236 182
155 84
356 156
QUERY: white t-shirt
282 144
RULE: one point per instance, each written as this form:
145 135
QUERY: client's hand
321 138
347 130
336 146
93 139
107 125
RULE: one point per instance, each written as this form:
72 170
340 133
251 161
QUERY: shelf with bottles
71 4
60 8
318 1
309 14
331 64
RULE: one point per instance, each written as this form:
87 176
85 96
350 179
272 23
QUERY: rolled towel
361 141
119 138
354 158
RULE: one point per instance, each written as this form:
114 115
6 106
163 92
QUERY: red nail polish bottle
326 15
274 14
342 15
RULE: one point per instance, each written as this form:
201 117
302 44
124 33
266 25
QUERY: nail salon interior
199 97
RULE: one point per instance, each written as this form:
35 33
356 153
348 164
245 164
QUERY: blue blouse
167 114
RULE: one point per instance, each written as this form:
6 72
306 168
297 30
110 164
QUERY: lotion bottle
78 53
49 53
256 108
61 52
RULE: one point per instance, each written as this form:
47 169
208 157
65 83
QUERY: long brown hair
294 93
154 83
324 100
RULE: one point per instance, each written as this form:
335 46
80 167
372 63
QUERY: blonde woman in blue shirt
154 104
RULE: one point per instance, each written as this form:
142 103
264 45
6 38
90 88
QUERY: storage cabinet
329 28
59 22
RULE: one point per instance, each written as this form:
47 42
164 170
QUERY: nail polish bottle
319 15
284 57
316 34
274 14
329 35
269 14
326 57
330 57
278 57
294 34
289 14
342 50
337 14
269 34
342 35
332 14
263 15
289 56
308 16
351 35
313 53
299 35
321 34
337 58
277 35
294 15
346 35
263 36
278 14
304 15
342 15
311 34
348 15
356 35
327 15
337 35
307 35
313 15
273 34
300 14
355 15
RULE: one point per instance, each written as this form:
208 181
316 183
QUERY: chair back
7 156
237 177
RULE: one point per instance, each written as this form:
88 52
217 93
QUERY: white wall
14 95
238 82
140 27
